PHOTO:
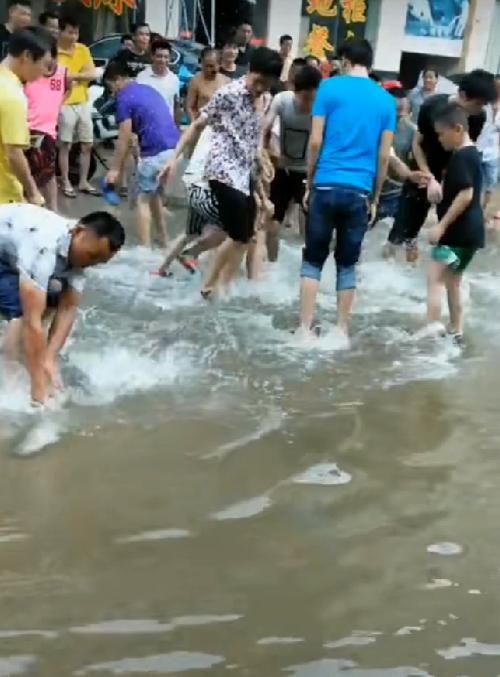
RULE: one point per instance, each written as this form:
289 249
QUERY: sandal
90 191
69 192
207 294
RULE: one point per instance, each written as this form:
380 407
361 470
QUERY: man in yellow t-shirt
28 58
75 120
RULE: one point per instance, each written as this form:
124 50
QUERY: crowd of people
268 136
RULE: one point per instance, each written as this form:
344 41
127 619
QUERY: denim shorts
388 206
148 170
335 208
10 300
490 175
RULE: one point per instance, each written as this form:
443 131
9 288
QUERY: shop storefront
97 17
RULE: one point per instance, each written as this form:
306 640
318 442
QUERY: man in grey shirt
293 110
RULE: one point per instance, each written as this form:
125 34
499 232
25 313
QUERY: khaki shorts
75 124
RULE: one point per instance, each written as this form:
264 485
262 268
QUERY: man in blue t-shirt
142 111
352 132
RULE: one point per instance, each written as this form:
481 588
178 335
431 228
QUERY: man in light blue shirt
352 133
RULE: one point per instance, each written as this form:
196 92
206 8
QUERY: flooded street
215 498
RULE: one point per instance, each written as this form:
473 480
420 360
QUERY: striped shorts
202 211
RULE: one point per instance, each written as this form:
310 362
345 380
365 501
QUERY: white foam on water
17 665
279 641
40 436
358 638
12 538
271 422
124 627
156 535
323 474
204 619
115 372
175 662
469 647
244 509
408 630
438 583
13 634
331 667
447 549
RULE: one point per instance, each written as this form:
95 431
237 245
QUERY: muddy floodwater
213 497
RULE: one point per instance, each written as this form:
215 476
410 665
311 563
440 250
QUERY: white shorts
75 124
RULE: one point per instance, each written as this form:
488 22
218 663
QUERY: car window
106 49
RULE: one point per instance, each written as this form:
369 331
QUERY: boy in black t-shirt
476 89
460 231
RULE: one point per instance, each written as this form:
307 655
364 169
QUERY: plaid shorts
42 159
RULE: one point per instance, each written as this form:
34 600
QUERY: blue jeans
345 210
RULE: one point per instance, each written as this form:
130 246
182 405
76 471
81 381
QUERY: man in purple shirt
142 111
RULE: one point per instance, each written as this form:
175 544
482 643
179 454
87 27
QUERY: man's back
356 113
151 118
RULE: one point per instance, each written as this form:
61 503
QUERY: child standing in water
460 231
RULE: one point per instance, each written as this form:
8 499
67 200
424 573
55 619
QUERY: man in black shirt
228 65
138 56
475 91
243 38
19 17
460 231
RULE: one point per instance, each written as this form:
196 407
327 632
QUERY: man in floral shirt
235 114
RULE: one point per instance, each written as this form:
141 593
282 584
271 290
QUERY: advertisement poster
330 22
444 19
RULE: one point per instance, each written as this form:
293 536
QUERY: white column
284 18
390 35
157 13
482 24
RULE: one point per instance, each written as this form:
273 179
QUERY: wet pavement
215 498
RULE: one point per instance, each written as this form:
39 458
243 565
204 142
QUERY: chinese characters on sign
331 22
116 6
322 7
318 42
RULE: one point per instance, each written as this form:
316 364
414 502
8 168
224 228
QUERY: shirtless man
204 85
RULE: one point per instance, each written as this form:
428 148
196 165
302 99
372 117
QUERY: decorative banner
331 22
444 19
116 6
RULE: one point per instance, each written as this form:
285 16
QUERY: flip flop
90 191
207 294
69 192
160 273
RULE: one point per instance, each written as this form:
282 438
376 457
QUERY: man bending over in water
42 259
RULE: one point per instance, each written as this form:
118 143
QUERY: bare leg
49 192
308 293
13 341
211 238
256 255
85 155
453 283
64 165
175 249
158 214
345 299
143 212
229 254
272 240
435 280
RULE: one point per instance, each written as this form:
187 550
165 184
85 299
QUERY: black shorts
287 186
236 211
412 212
